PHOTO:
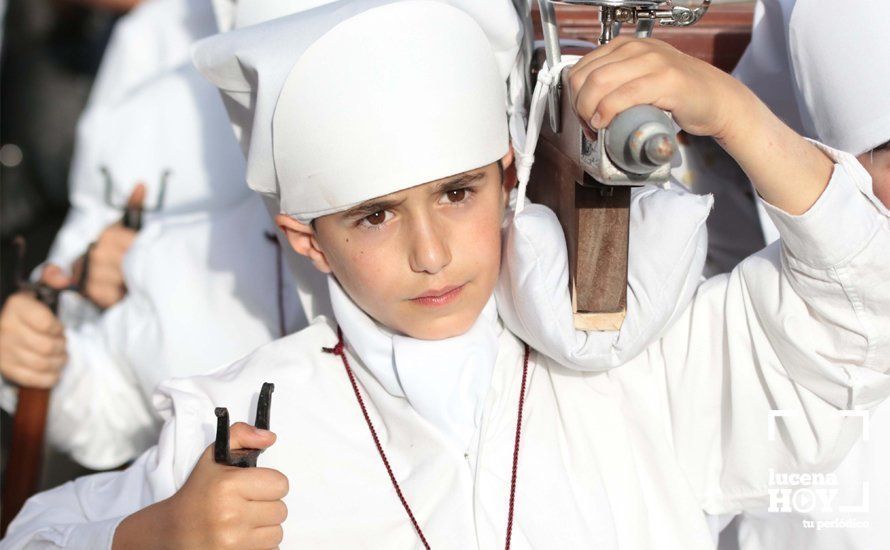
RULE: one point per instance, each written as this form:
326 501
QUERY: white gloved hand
667 251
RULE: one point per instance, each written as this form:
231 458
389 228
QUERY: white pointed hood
842 72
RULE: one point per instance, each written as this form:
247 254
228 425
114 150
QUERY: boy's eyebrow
368 208
459 181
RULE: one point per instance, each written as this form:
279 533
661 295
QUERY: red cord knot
338 349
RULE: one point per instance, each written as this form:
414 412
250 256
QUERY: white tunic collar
445 381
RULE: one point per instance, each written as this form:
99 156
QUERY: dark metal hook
132 218
242 458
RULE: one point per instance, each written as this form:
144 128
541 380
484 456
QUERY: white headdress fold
353 100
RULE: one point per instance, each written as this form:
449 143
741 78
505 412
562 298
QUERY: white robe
627 458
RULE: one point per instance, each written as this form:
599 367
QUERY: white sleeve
800 328
99 412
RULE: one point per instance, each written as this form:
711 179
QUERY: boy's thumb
245 436
55 277
137 197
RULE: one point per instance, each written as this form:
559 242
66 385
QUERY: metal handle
242 458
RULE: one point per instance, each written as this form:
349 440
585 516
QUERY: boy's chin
429 327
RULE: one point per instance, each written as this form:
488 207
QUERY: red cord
340 351
516 449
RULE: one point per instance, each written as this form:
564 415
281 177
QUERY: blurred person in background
51 50
830 86
151 302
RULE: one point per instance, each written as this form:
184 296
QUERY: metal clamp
242 458
663 12
613 14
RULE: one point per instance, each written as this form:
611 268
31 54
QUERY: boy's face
877 163
422 261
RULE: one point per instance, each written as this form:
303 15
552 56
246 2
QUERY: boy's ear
302 239
509 169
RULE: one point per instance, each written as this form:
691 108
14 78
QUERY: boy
415 418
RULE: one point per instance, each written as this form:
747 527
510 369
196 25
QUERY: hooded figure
836 84
150 40
201 289
516 428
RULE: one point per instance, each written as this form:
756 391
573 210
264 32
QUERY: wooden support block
595 221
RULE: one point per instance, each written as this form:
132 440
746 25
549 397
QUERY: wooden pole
26 452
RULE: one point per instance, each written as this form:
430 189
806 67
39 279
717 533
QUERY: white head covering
842 72
764 67
331 111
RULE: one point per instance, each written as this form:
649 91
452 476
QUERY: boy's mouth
439 296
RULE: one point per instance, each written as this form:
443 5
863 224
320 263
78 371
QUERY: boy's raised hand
219 506
628 72
32 340
788 172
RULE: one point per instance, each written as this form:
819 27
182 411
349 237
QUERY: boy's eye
455 196
376 218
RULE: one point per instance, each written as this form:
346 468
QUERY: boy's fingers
641 91
245 436
605 80
116 239
42 344
39 364
30 379
264 538
579 74
266 513
261 484
125 241
103 274
38 317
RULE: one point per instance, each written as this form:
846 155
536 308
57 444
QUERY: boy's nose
429 248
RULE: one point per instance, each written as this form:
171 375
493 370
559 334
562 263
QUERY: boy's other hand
32 340
219 507
104 284
788 172
626 72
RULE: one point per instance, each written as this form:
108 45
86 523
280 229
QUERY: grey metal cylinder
641 139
